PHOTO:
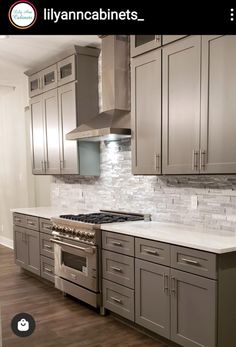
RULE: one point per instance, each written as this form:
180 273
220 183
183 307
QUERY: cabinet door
193 310
20 246
52 151
67 115
218 123
66 70
35 85
181 106
37 135
49 77
152 301
33 253
146 113
142 43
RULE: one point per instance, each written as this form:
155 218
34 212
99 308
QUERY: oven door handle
90 250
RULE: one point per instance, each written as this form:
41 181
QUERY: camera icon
23 325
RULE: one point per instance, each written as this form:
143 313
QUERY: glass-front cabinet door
142 43
35 86
49 77
66 70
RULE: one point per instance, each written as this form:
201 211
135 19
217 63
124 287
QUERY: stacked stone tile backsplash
167 198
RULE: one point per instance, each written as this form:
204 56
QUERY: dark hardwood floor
59 321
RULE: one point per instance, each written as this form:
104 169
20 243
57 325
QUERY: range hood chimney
114 121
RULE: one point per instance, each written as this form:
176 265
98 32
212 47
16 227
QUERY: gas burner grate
100 218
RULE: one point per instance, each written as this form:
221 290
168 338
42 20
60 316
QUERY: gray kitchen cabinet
49 78
35 84
43 81
140 44
146 113
218 121
33 249
66 70
20 246
33 253
37 135
26 246
45 133
68 120
51 121
193 310
56 112
181 106
152 301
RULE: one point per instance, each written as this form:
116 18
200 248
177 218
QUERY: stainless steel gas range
77 246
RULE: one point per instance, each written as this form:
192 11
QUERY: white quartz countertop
46 212
210 240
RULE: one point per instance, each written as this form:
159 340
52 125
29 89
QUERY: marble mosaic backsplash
166 198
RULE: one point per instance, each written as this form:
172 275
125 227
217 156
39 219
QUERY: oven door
76 262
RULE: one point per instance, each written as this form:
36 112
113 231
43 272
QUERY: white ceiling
25 51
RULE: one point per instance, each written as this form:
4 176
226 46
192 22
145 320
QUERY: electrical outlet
194 202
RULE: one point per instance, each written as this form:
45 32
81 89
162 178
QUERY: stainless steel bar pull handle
165 282
116 300
157 162
115 243
87 250
30 223
150 251
173 285
48 246
195 160
190 261
202 160
116 268
47 269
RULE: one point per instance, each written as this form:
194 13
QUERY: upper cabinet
68 97
142 43
198 107
146 113
218 105
66 70
181 106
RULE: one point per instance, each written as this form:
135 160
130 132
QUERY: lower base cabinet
32 246
152 304
175 304
26 245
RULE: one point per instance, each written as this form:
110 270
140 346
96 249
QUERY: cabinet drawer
154 251
19 219
194 261
45 225
32 222
118 243
47 268
118 299
46 246
118 268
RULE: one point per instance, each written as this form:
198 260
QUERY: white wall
17 184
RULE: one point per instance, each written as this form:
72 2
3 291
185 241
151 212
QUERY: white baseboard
5 241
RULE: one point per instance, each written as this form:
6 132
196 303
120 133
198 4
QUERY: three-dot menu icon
232 14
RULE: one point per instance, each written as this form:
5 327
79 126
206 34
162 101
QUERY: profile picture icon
22 14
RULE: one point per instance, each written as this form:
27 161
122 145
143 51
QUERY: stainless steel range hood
114 121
